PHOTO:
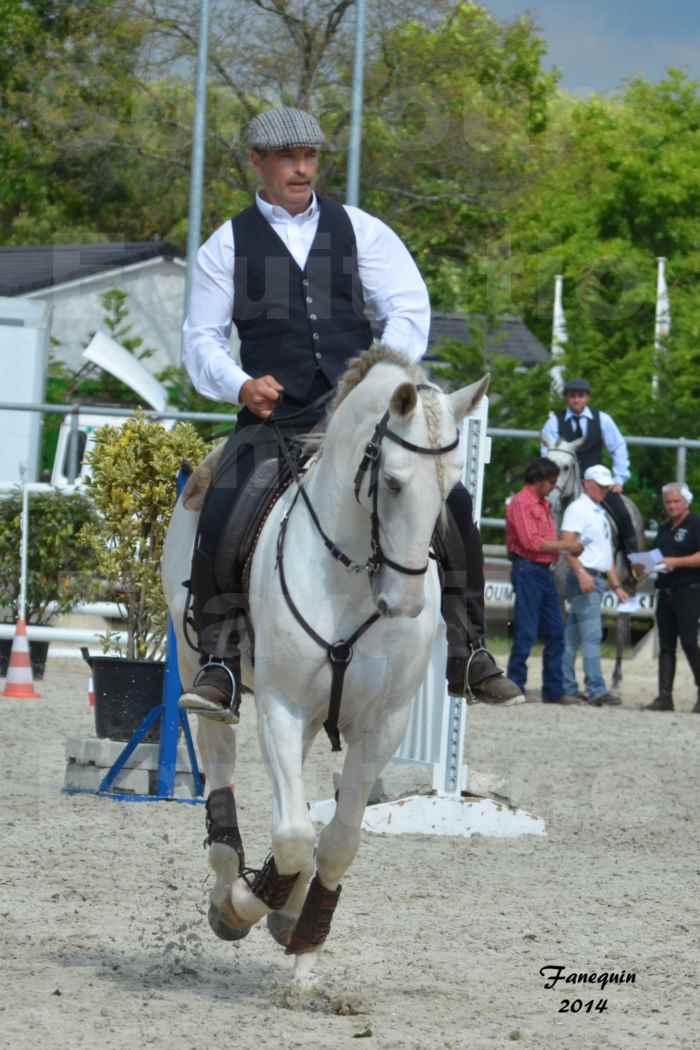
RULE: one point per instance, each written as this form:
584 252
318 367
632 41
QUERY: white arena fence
498 594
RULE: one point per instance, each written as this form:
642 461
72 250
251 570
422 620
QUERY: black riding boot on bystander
667 672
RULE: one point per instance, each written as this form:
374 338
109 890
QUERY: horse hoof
280 927
223 929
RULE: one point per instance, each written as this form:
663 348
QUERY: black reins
340 653
370 460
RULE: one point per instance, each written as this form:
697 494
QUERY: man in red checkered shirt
533 547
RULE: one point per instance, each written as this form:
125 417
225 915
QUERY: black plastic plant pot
125 691
38 651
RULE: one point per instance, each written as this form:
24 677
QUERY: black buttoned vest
591 451
294 323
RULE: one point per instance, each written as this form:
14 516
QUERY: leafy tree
453 117
62 65
619 185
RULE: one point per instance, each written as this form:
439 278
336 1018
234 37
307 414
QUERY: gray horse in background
569 488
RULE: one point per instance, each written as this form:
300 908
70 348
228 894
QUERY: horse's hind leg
217 745
622 637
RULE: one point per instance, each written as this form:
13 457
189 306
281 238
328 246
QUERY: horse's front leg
281 730
370 746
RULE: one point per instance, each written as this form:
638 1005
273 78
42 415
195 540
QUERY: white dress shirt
612 439
589 520
392 286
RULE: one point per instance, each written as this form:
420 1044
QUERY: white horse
390 456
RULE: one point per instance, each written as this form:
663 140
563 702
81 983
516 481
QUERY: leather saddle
253 505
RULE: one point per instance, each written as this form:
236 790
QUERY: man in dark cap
293 273
598 431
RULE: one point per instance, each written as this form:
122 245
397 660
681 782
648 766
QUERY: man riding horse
294 273
595 430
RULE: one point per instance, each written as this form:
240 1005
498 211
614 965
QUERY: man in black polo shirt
597 430
294 272
678 597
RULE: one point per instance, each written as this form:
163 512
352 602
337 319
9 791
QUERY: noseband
370 461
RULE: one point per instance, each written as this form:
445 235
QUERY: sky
597 44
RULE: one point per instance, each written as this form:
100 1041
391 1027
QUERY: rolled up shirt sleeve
392 285
207 329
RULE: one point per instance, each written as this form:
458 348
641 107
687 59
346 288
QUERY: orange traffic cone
19 684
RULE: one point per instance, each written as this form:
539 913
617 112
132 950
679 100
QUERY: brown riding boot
216 689
486 684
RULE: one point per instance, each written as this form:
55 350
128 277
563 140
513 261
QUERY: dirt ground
437 942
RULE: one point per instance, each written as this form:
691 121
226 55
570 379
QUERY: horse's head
411 463
563 453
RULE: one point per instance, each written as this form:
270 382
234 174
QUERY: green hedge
61 565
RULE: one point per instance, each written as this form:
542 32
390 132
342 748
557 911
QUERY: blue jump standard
171 718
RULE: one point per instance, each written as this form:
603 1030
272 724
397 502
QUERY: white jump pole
24 553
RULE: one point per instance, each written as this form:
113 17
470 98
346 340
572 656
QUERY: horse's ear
403 400
546 441
576 443
464 400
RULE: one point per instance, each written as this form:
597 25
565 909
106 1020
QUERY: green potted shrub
60 563
134 471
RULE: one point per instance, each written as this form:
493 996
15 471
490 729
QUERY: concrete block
89 777
130 781
102 752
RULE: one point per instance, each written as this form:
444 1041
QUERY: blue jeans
584 628
537 610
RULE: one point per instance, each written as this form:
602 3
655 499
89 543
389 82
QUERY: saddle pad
235 547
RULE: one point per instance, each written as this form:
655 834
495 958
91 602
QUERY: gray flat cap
284 128
577 386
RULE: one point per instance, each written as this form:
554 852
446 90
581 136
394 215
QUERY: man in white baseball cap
586 520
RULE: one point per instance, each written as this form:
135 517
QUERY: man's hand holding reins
260 396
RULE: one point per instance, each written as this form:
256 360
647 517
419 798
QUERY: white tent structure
559 337
662 321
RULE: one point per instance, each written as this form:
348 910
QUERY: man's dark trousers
537 610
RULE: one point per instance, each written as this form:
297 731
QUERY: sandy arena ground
437 943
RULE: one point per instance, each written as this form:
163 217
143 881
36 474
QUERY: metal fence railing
681 444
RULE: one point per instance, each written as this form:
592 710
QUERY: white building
71 279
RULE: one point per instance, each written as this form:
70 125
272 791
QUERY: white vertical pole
355 148
559 337
194 220
662 322
24 547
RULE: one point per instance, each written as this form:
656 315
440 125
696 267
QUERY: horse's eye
394 486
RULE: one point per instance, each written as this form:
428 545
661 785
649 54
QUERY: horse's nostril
383 607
